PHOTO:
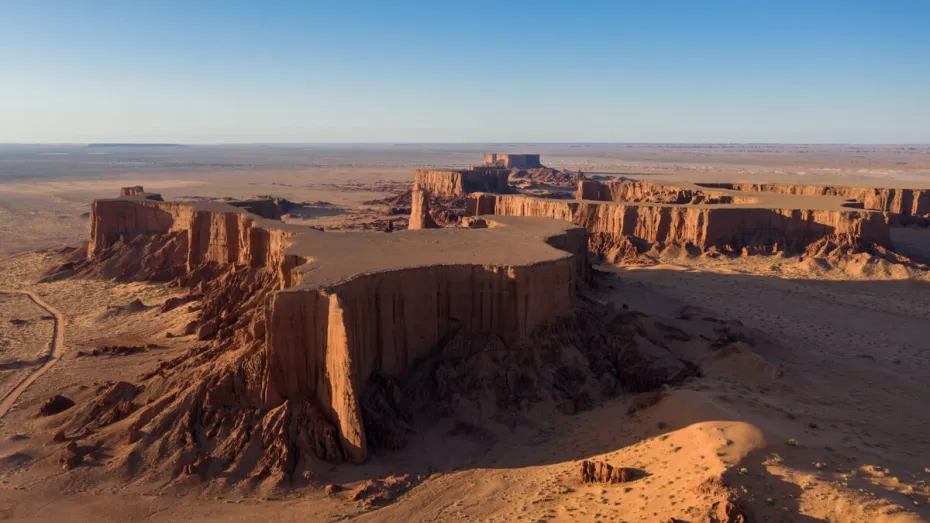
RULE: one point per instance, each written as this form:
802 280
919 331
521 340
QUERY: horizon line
196 144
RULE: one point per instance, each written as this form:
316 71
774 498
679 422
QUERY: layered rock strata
451 184
700 226
905 202
346 306
512 161
635 191
420 218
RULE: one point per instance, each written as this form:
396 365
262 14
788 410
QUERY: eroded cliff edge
904 202
701 226
340 308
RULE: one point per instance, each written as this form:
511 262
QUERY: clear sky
474 71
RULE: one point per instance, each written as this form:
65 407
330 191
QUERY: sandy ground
45 191
25 334
824 418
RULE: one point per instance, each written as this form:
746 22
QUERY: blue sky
400 71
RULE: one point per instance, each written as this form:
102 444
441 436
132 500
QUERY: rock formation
632 191
512 161
724 228
451 184
341 307
600 472
420 218
131 191
904 202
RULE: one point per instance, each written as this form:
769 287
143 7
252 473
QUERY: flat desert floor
824 418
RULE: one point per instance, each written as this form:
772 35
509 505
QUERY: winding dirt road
58 341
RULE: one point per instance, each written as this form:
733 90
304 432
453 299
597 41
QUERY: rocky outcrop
385 322
420 218
339 307
207 232
635 191
703 227
131 191
905 202
54 405
450 184
512 161
600 472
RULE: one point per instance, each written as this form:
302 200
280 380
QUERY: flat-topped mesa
903 202
224 233
701 226
456 183
131 191
349 306
512 161
420 217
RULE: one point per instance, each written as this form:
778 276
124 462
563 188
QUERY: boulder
54 405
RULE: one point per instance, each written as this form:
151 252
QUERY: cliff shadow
800 321
308 211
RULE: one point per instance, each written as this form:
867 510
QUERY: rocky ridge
727 229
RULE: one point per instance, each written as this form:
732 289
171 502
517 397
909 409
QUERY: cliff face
512 161
703 227
420 218
365 302
906 202
329 342
634 191
451 184
225 235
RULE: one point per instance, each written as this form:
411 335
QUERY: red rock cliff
353 304
701 226
906 202
450 184
635 191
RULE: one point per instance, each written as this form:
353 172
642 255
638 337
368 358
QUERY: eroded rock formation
131 191
905 202
316 314
420 217
703 227
632 191
512 161
451 184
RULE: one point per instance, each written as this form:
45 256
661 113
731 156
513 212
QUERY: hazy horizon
484 142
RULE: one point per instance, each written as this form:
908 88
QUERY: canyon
518 339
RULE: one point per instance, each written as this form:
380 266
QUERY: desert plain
743 380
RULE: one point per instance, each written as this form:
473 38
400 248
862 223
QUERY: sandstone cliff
906 202
341 307
450 184
701 226
218 233
131 191
635 191
420 218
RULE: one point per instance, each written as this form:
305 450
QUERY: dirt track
58 340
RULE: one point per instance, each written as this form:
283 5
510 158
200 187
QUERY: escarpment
904 202
313 316
635 191
703 227
451 184
217 233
